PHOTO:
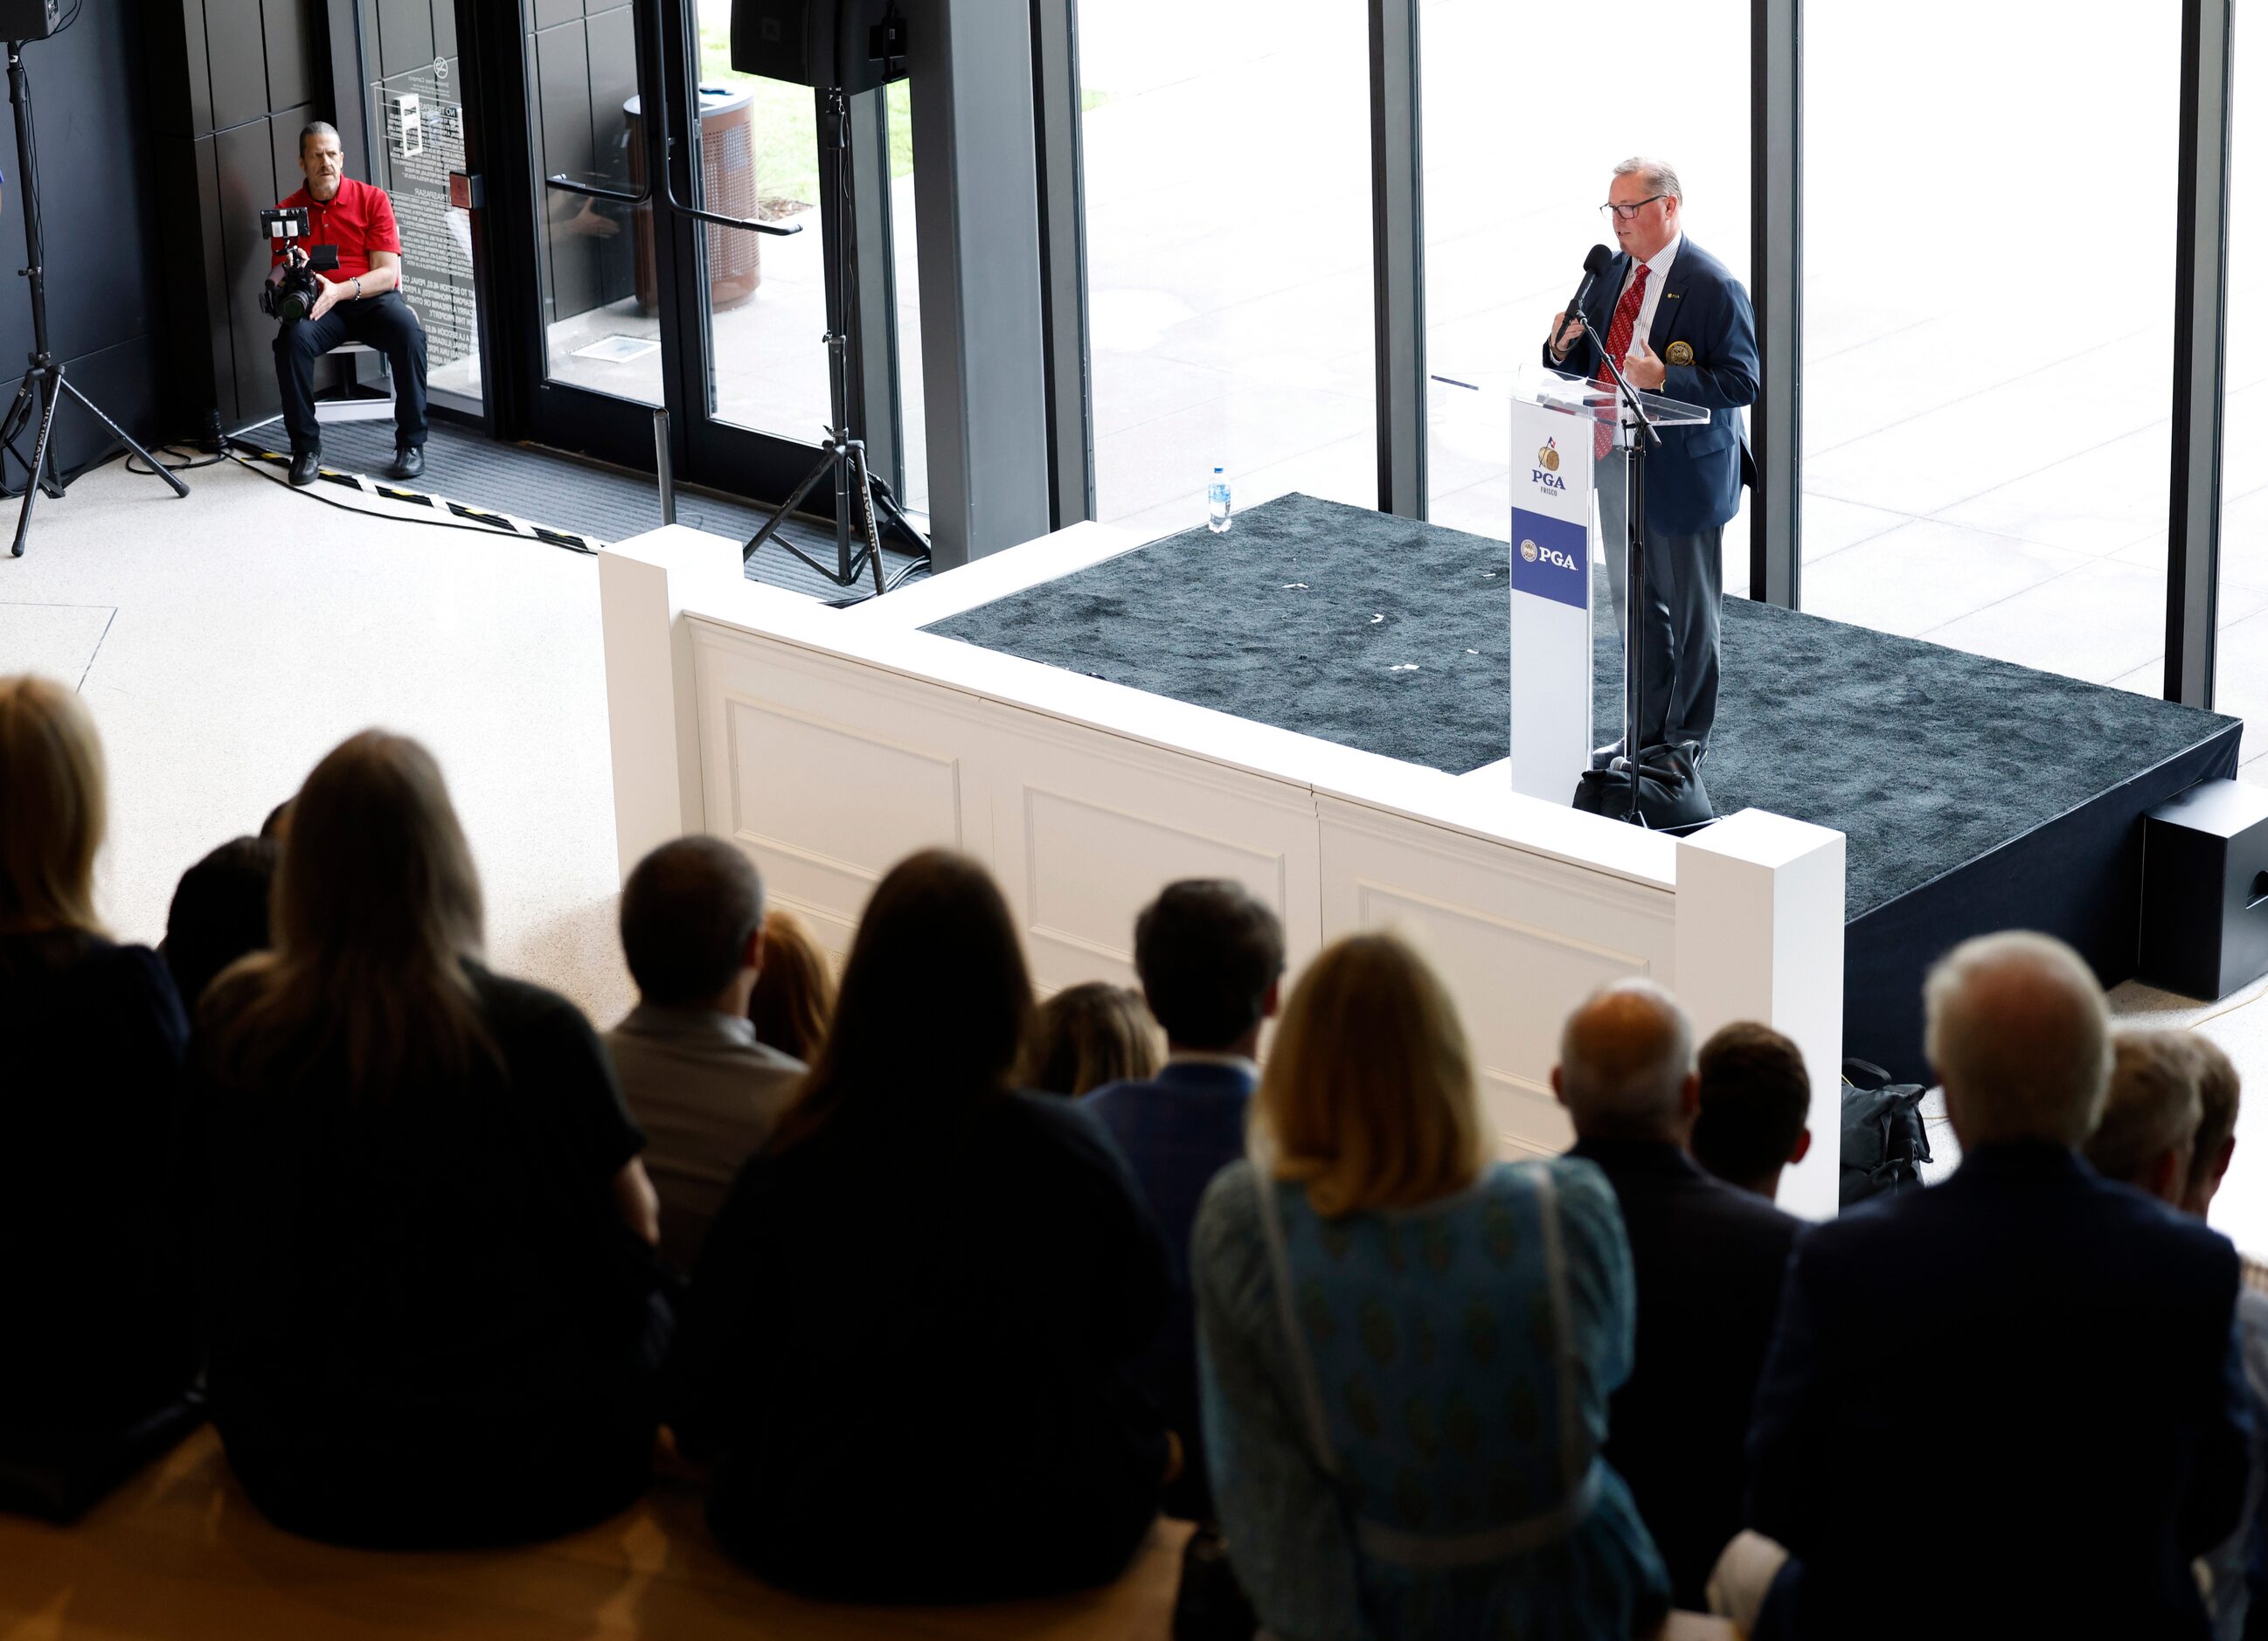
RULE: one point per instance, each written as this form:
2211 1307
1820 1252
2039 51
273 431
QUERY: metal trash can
728 186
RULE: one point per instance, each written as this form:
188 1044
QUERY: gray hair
2152 1106
1624 1058
2020 1037
324 127
1659 175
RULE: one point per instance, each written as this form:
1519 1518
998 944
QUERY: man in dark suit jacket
1708 1258
1209 956
2007 1405
1693 338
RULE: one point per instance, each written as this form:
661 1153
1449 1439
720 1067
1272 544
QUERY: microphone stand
1649 437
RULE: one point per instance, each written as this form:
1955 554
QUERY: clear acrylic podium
1562 503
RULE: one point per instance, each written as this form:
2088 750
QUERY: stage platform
1975 795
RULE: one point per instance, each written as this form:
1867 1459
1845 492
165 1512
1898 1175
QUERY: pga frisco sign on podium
1550 598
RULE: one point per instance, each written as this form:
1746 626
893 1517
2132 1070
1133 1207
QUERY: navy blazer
1709 1259
1693 481
2007 1405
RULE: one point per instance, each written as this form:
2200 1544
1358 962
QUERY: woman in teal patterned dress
1406 1347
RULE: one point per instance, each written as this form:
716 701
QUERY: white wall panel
828 772
1090 825
1519 938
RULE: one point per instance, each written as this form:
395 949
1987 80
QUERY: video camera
291 296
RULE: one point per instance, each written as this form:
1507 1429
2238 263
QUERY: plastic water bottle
1216 503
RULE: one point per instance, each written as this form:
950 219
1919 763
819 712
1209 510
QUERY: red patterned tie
1618 341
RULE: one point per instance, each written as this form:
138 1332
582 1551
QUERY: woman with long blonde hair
92 1036
1408 1346
435 1304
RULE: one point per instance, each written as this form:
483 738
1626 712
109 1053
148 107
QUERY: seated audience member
1755 1099
794 996
1085 1036
433 1308
1211 957
2148 1132
2174 1093
2026 1363
99 1320
219 914
697 1081
1407 1347
1708 1258
907 1352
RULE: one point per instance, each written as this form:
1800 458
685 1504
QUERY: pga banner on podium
1551 599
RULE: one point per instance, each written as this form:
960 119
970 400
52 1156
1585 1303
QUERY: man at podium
1683 327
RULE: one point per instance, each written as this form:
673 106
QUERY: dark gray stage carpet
1924 757
546 487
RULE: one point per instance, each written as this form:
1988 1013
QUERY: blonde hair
54 807
376 909
794 996
1087 1035
1368 1098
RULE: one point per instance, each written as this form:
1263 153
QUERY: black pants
384 322
1684 585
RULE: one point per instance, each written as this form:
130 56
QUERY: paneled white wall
833 743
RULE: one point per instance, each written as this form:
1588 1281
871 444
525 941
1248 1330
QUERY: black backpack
1883 1145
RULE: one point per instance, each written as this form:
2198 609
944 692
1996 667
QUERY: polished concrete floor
226 642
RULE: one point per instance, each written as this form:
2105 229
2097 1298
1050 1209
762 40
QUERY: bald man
1708 1258
2007 1405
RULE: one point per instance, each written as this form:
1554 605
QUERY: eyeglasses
1629 212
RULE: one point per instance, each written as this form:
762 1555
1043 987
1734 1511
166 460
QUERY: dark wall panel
284 131
291 36
248 186
234 48
405 35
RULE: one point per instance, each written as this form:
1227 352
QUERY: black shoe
305 465
409 462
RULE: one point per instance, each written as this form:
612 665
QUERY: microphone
1594 265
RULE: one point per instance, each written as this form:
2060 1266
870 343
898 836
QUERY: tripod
44 384
843 455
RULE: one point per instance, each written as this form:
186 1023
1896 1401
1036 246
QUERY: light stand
843 454
44 384
1649 436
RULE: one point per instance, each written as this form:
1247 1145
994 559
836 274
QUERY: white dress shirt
1659 262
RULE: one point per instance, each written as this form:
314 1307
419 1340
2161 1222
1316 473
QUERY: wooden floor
180 1552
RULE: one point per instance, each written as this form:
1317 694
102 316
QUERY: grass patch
783 123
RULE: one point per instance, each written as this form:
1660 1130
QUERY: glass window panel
1520 147
600 325
2240 661
1988 251
766 296
1227 199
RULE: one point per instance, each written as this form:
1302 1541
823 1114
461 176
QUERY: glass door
674 232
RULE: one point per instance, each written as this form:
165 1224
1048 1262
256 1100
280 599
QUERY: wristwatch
357 283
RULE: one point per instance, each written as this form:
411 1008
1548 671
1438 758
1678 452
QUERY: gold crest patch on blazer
1681 353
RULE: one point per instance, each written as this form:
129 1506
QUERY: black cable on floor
261 468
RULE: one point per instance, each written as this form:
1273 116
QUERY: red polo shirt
358 219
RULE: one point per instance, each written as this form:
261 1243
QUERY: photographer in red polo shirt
361 301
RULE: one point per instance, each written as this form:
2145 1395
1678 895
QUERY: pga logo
1545 473
1529 552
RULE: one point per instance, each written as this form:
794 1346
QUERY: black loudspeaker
30 19
855 45
2204 890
